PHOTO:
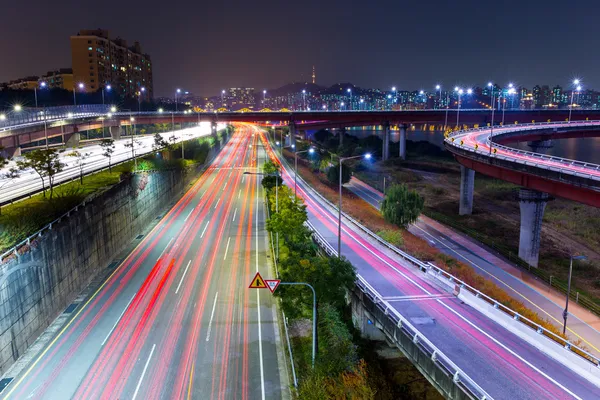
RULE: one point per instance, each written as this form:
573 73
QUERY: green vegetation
24 218
401 206
392 236
341 370
333 173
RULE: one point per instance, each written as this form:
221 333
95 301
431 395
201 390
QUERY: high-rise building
237 97
99 61
537 96
61 79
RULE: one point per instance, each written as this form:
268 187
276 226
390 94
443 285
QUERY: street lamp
107 88
2 117
362 101
142 90
42 85
324 107
176 93
350 95
342 159
223 97
576 84
113 109
460 92
17 107
160 110
264 96
439 89
566 312
492 101
80 86
276 175
310 151
304 98
341 105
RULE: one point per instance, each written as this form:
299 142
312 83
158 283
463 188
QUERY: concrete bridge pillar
115 132
341 133
72 140
402 141
292 127
533 204
467 183
385 153
10 152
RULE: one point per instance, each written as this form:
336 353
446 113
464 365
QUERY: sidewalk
582 324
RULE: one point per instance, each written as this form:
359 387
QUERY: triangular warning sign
257 282
272 284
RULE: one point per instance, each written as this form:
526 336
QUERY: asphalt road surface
176 318
504 365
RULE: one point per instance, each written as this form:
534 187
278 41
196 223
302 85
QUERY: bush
269 182
392 236
333 173
401 206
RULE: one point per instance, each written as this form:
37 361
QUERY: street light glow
421 92
311 150
437 87
109 115
43 84
362 100
69 115
393 88
576 82
578 88
132 119
460 91
160 110
178 90
108 87
456 88
510 85
368 156
469 91
81 86
18 107
303 91
389 96
113 109
143 89
348 90
489 84
2 117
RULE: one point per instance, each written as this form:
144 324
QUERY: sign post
272 284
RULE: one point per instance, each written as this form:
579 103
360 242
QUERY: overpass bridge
541 176
22 130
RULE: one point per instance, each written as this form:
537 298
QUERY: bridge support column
115 132
532 204
342 132
385 153
402 142
292 127
9 152
72 140
467 183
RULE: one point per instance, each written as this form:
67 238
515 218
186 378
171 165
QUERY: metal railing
452 141
36 116
427 267
443 362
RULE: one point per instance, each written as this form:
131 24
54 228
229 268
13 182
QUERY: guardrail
35 116
451 140
428 267
443 362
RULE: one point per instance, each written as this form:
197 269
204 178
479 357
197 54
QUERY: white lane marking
217 203
183 276
227 248
234 214
239 193
191 211
137 388
204 230
212 314
260 349
118 319
165 249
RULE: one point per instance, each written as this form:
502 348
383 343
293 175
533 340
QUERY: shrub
392 236
401 206
333 173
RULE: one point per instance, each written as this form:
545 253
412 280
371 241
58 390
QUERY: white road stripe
204 230
234 214
227 248
137 388
239 193
217 203
212 314
183 276
165 249
191 211
118 319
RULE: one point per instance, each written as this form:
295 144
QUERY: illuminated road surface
479 258
29 181
175 319
500 362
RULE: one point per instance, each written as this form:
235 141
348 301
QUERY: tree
159 142
45 163
401 206
322 136
269 182
79 161
333 173
270 167
108 148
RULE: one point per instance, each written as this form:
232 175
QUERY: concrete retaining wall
41 282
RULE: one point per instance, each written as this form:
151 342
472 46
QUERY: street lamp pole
439 89
576 86
447 107
342 159
493 107
566 312
460 92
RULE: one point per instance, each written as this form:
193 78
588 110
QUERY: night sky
206 46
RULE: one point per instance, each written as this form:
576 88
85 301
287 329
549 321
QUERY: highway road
175 319
28 181
470 252
504 365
